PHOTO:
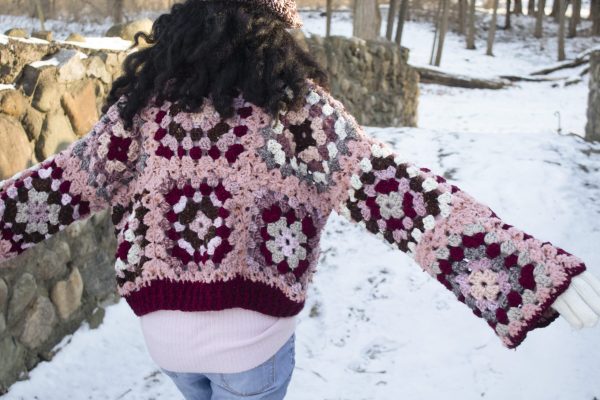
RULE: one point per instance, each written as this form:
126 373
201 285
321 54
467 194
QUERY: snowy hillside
377 327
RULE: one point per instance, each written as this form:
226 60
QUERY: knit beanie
285 9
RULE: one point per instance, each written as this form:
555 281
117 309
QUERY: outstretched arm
506 277
68 186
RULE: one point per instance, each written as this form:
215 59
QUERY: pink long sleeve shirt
226 341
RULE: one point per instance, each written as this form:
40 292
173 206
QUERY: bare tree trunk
575 18
367 19
118 11
328 18
438 14
389 29
538 32
471 31
555 6
443 29
595 17
531 7
561 29
40 14
462 16
492 30
518 7
593 7
401 18
507 18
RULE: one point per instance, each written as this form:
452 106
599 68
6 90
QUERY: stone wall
592 129
48 291
371 78
50 95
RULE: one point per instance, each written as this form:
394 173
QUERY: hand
580 303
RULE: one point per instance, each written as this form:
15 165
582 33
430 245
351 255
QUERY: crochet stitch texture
212 213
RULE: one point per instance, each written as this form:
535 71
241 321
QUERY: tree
507 18
443 28
40 14
118 11
462 16
531 7
471 26
539 19
389 28
367 19
555 10
328 18
595 15
492 30
562 4
575 18
401 18
518 10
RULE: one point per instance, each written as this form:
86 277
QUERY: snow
44 63
4 86
103 42
32 40
380 327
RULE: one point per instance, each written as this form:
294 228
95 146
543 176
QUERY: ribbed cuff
166 294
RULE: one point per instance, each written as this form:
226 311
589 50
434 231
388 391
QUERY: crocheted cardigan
212 213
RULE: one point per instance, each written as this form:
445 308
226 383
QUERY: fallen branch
431 75
562 65
577 77
527 78
580 59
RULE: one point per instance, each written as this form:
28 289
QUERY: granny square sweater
213 213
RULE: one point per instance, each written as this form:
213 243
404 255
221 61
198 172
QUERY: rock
32 76
17 32
47 96
24 292
111 63
2 323
128 30
95 320
66 295
12 103
97 69
44 35
39 323
57 134
33 120
12 360
75 37
70 67
98 275
51 262
14 147
80 106
17 54
3 295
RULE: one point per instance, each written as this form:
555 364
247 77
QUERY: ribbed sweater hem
166 294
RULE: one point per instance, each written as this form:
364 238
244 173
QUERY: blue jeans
268 381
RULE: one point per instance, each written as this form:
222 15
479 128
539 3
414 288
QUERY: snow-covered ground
381 328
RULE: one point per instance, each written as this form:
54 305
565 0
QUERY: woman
222 153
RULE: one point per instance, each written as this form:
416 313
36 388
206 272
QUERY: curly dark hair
216 49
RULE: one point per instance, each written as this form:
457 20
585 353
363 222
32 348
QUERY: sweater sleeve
70 185
504 275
